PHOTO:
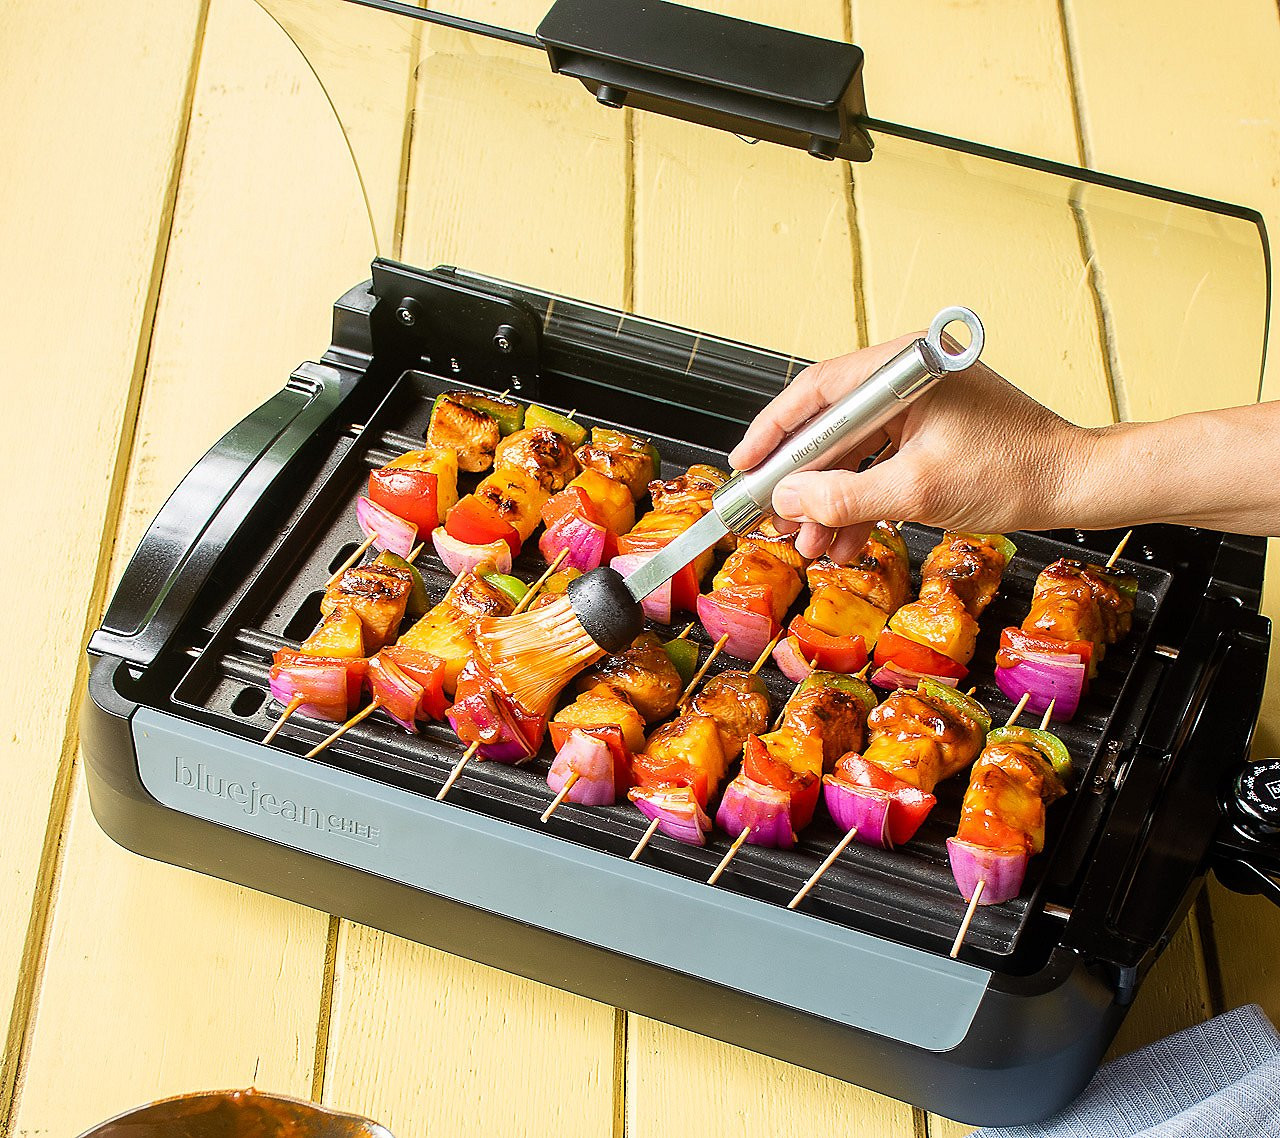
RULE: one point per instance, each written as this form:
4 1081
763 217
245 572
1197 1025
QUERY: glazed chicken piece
881 574
619 456
469 433
829 714
739 704
692 489
540 453
965 564
644 674
921 740
1074 601
1004 807
377 594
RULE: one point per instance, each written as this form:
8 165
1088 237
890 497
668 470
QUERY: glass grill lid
472 151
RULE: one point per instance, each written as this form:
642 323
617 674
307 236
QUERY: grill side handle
210 507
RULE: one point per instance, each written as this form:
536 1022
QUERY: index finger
816 387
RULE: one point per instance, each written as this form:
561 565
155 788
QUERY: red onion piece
484 716
399 694
789 657
890 676
678 813
1002 871
657 605
393 534
861 808
461 557
322 686
1045 679
749 633
583 539
763 810
592 761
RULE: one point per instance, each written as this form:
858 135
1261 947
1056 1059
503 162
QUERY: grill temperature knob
1257 796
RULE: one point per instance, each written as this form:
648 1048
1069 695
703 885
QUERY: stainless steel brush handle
747 497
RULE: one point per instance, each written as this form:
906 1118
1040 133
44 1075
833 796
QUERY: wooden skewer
645 839
292 706
768 651
716 649
827 863
457 770
688 628
982 884
729 855
972 690
559 798
1119 550
527 599
413 553
862 675
1013 715
968 919
343 728
361 550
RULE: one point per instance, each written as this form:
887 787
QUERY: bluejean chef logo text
253 800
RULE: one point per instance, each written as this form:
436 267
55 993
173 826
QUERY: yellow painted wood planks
157 980
84 212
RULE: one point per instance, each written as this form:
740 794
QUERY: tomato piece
409 494
910 805
476 523
910 656
612 738
845 654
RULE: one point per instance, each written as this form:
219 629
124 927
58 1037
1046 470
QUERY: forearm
1219 469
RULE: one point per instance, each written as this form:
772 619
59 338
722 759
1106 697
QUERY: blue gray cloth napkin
1220 1078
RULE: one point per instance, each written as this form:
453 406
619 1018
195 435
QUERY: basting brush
533 655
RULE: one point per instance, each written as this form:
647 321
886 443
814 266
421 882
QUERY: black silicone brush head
607 611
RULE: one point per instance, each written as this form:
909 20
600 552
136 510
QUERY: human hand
973 453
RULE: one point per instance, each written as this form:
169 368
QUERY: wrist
1098 490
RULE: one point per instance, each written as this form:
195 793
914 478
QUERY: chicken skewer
1076 612
685 760
934 636
597 735
1002 821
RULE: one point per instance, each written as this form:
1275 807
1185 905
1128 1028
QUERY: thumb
838 498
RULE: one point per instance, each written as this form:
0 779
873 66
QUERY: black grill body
232 569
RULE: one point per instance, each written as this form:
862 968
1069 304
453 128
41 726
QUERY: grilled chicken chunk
739 704
920 740
377 594
541 453
881 573
692 489
1073 601
1004 807
619 456
829 714
643 673
965 564
472 434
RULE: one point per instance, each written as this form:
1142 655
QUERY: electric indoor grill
234 565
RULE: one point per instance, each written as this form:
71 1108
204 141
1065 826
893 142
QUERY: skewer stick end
559 798
1017 711
730 854
1115 556
289 709
644 840
968 918
827 863
764 656
1048 715
457 771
